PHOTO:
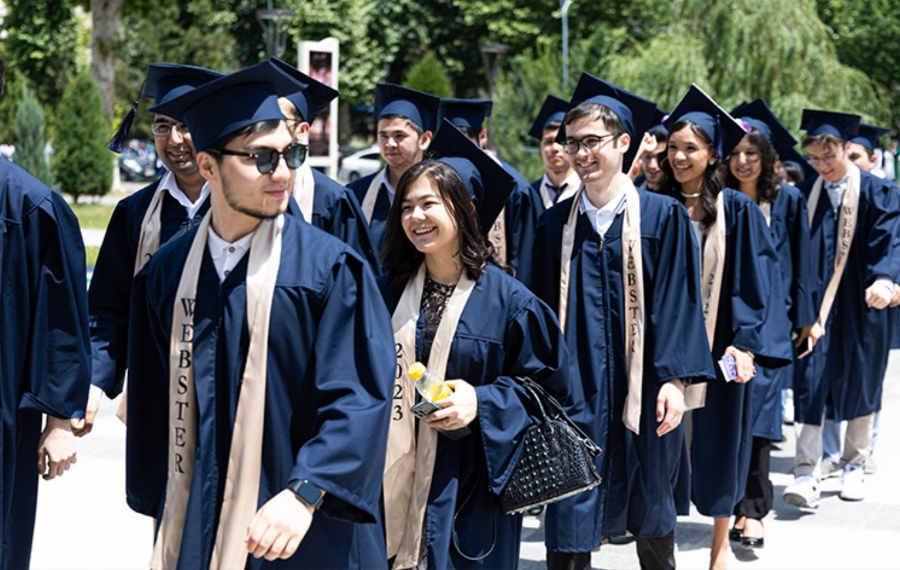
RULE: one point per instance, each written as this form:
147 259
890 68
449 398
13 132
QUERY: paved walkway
83 522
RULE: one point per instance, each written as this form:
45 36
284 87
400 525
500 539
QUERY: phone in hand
728 365
805 348
426 408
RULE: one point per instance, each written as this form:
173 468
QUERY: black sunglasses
267 159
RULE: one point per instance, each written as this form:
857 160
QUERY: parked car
360 164
136 168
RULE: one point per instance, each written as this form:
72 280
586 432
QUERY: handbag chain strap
542 398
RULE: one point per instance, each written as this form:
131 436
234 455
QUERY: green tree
9 103
30 138
42 44
81 162
428 75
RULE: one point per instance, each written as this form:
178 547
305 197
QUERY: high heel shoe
736 534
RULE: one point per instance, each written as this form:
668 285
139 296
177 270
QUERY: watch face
308 493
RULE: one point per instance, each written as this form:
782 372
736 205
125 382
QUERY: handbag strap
545 400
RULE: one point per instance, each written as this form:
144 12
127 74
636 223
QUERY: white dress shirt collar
226 255
602 218
170 184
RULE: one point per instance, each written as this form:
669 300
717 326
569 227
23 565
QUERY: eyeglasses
164 129
827 159
267 159
591 143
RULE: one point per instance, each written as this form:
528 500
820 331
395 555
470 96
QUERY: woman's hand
669 406
744 364
457 411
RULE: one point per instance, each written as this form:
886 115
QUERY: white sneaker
871 468
788 405
831 468
803 492
853 483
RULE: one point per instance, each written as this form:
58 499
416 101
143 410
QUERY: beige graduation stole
371 197
304 191
846 229
409 462
244 460
713 268
497 235
633 275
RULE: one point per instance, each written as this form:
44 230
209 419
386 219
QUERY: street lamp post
492 54
564 4
274 24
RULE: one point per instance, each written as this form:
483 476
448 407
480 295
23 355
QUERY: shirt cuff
886 282
96 393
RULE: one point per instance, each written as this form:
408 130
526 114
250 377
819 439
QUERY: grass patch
93 216
92 251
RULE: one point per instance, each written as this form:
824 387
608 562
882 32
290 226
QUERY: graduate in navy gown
494 330
605 314
327 205
179 201
293 412
513 232
745 310
854 224
45 365
405 122
752 171
559 181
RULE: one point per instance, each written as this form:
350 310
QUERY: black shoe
535 511
753 543
736 534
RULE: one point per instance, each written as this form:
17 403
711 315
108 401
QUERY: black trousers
653 554
760 494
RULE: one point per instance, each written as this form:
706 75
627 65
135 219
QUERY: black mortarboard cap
552 111
841 125
868 135
313 97
226 105
419 107
635 113
757 115
465 113
489 184
700 109
164 82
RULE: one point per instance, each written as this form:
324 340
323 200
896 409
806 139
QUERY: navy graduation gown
639 472
337 212
330 373
752 318
379 215
847 366
504 331
45 366
790 235
523 209
110 292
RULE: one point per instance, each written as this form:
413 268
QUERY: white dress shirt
602 218
226 255
170 184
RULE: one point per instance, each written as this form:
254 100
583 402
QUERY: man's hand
879 294
279 527
82 427
56 448
744 363
669 406
459 410
813 332
895 297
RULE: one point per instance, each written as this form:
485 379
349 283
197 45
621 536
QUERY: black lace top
434 300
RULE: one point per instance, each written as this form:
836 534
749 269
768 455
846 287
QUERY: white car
360 164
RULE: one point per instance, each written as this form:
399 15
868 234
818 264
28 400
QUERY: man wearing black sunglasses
261 362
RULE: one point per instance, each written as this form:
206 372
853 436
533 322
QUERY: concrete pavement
84 523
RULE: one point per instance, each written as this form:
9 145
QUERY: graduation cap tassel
118 140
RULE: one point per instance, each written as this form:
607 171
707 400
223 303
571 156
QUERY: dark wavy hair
713 176
400 256
768 186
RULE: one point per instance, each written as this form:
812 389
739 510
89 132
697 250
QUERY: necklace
697 195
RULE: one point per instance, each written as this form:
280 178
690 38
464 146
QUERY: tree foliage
81 162
31 139
9 104
41 44
428 75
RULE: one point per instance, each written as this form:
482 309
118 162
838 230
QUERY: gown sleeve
535 348
354 376
522 213
348 224
757 303
882 219
109 302
803 310
58 366
677 331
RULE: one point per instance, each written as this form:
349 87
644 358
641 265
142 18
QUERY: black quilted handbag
556 460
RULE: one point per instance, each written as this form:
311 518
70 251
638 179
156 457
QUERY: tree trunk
109 32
